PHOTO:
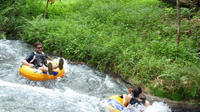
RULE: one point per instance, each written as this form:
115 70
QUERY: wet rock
177 106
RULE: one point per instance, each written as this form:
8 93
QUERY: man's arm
26 63
126 99
28 59
49 58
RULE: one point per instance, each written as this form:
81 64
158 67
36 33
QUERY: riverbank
133 39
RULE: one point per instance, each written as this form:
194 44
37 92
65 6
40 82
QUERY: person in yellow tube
38 59
135 97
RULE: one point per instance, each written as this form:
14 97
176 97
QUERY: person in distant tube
38 60
135 97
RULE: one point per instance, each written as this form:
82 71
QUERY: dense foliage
135 39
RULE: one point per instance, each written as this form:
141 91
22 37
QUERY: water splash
155 107
158 107
21 95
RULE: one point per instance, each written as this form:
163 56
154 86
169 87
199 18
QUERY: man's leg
44 69
47 69
50 68
60 64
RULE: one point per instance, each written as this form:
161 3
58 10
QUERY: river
82 89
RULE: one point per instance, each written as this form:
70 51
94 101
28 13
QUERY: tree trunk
45 13
179 23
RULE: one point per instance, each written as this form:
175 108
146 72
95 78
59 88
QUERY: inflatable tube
38 75
115 104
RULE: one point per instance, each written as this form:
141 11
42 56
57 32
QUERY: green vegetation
135 39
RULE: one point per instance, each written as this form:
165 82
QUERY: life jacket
39 59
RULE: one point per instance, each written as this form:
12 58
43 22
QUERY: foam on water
154 107
158 107
21 95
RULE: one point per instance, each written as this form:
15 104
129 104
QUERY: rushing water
82 89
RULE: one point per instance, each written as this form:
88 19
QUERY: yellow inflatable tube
115 104
38 75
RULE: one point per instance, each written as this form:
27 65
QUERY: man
38 59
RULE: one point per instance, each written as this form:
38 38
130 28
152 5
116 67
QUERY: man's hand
31 65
